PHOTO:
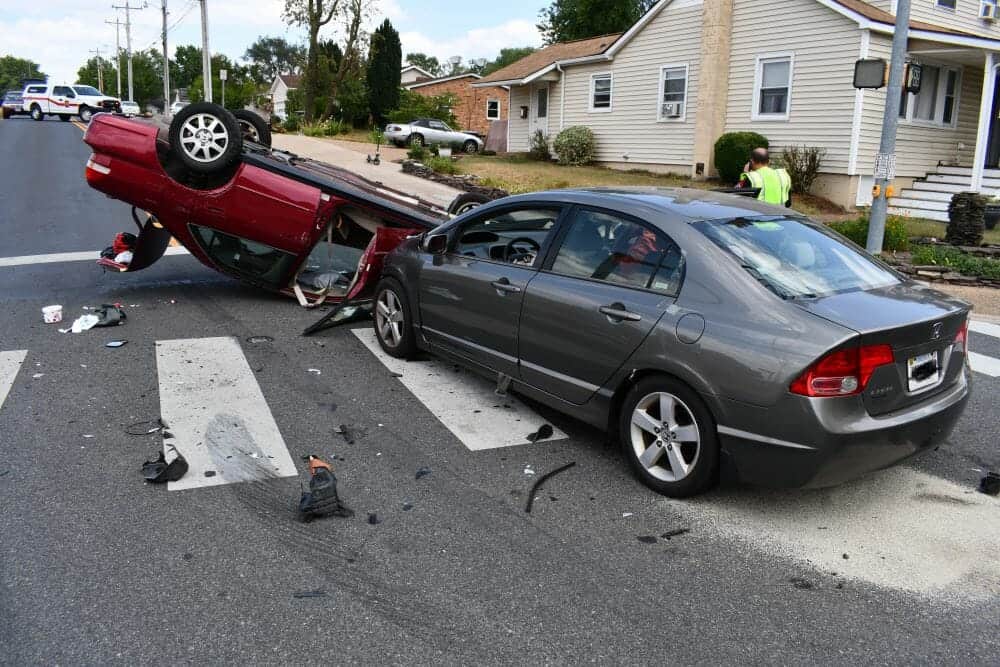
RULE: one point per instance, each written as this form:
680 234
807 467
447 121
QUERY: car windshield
87 90
795 258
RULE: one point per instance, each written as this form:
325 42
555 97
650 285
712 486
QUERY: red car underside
275 220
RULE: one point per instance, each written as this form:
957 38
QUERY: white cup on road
52 314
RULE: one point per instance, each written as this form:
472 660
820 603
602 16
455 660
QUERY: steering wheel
512 254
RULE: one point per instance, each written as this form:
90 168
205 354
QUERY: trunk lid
920 326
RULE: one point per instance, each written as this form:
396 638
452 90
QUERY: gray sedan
712 334
429 132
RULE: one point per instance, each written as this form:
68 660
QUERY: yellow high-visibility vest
775 185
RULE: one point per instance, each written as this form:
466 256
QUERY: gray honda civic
715 336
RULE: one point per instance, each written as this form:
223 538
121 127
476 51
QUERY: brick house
477 108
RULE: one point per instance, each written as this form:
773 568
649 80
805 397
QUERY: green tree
188 66
425 62
270 56
413 105
506 57
384 64
14 70
147 76
566 20
311 15
87 75
240 85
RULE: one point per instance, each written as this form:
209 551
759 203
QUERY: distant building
477 108
279 92
412 74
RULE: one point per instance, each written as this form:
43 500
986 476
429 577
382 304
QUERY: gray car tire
653 457
470 147
394 320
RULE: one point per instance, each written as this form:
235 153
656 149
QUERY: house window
492 109
600 92
673 92
542 103
947 4
773 87
937 101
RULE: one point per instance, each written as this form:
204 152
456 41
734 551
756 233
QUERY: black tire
389 290
86 113
470 147
415 139
253 127
466 202
704 464
205 137
64 117
36 112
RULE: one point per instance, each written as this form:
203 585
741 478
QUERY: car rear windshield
87 90
795 258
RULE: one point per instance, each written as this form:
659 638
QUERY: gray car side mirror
436 244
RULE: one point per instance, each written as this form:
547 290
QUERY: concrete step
940 216
925 195
966 181
921 204
966 171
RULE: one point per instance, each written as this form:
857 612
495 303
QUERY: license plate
923 371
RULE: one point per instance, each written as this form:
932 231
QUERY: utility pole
206 54
118 52
166 63
100 69
885 161
128 41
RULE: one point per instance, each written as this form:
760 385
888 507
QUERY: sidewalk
352 156
985 300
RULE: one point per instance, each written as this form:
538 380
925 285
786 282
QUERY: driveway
353 156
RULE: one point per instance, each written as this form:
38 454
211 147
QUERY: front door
470 297
538 116
594 302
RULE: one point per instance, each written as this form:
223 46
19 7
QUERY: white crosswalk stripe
10 364
214 408
982 363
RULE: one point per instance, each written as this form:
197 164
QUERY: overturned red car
285 223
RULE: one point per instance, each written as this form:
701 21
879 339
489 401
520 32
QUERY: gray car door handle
617 312
504 287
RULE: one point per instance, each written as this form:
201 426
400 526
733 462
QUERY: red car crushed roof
285 223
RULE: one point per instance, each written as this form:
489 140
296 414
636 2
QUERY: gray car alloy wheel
665 437
204 138
389 318
248 130
86 114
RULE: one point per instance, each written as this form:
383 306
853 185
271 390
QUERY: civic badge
936 330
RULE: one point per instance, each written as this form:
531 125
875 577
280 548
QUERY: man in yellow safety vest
775 185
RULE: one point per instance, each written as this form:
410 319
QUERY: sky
60 34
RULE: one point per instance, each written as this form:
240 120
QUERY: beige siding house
659 95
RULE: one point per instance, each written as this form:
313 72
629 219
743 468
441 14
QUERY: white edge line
82 256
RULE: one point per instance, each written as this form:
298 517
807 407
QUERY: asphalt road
97 567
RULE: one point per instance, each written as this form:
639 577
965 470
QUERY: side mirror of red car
436 244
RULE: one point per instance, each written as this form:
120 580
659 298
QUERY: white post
985 116
206 54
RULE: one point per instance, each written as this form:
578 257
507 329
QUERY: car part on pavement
116 343
159 471
206 138
145 427
253 127
542 479
321 499
344 312
393 320
423 472
544 432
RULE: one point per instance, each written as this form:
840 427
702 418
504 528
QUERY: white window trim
611 93
488 117
758 79
939 7
908 119
659 97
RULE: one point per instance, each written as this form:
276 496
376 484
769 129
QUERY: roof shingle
541 59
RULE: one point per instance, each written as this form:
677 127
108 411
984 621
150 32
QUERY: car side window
250 259
438 125
613 249
511 236
64 91
419 123
36 89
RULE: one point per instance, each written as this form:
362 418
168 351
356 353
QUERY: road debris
646 539
544 431
423 472
210 473
314 371
990 484
407 505
38 375
308 594
115 343
52 314
159 471
626 515
108 315
373 519
676 532
321 499
541 480
802 584
344 431
528 470
146 427
259 339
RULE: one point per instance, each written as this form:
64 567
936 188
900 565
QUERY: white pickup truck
65 101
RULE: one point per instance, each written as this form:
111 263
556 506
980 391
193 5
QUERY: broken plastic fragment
538 483
544 431
159 471
423 472
345 431
373 519
676 532
626 515
38 375
309 594
407 505
990 484
528 470
259 339
209 473
115 343
321 499
314 371
646 539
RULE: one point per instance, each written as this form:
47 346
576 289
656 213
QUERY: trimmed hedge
575 145
732 151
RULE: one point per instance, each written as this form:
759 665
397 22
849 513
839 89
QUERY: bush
314 130
413 105
418 153
953 258
442 165
732 151
896 237
575 145
291 124
802 164
334 127
538 149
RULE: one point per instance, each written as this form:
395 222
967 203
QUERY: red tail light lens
962 337
844 372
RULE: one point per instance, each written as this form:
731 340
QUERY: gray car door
470 297
601 292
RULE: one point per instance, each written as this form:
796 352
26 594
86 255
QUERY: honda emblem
936 330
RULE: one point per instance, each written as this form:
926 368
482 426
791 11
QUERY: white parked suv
64 101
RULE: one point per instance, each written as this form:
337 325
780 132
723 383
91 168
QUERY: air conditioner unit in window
988 10
673 109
